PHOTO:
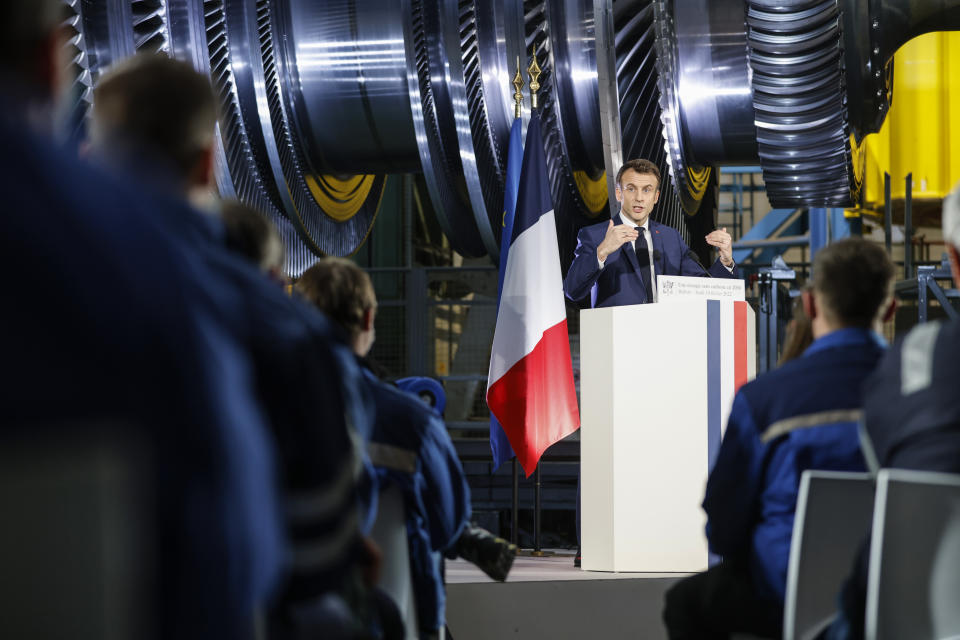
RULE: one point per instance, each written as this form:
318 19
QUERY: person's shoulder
948 343
398 400
943 334
663 229
597 228
775 381
932 346
73 213
401 418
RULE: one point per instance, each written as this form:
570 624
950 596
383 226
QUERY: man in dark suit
613 258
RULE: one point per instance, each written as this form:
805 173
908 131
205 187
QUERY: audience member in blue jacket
409 447
801 416
109 317
616 266
153 122
911 415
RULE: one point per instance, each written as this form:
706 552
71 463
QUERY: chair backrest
76 545
945 580
914 527
390 533
832 519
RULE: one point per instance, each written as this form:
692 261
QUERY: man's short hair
641 166
251 235
951 217
152 103
24 29
340 289
854 278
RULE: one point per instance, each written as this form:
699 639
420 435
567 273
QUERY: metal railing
438 322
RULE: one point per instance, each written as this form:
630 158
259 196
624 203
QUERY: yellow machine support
921 134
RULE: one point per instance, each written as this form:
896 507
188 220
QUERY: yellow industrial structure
921 134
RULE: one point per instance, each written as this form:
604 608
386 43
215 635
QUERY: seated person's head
32 50
162 109
344 292
951 231
252 236
852 287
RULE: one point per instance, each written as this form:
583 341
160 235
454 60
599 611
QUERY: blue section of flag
534 198
512 188
713 382
713 394
499 444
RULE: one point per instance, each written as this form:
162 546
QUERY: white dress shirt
645 229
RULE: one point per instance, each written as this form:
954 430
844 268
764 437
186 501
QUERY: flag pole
537 548
515 511
517 93
515 506
534 72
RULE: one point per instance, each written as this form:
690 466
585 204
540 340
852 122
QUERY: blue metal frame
819 229
768 320
925 283
737 189
759 236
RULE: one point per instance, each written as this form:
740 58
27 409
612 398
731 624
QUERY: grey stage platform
549 598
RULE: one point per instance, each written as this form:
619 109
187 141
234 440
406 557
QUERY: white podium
656 385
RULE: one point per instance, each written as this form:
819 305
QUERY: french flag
530 386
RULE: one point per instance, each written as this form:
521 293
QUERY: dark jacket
804 415
411 449
911 421
110 315
618 282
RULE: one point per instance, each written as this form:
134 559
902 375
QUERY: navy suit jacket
619 283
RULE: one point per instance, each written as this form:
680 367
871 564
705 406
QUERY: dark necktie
643 258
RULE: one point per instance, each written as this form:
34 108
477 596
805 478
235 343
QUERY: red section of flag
535 401
739 345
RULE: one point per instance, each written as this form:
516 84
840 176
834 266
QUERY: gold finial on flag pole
517 94
534 72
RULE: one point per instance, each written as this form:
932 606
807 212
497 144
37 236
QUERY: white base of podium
644 430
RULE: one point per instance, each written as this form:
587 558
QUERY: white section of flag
532 298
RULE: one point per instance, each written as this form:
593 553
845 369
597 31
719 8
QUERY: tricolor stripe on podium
728 352
530 387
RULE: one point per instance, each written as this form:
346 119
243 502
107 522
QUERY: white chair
390 533
945 581
914 528
832 519
76 544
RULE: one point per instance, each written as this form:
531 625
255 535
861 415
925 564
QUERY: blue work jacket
804 415
110 316
411 449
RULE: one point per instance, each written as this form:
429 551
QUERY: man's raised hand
720 239
617 236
